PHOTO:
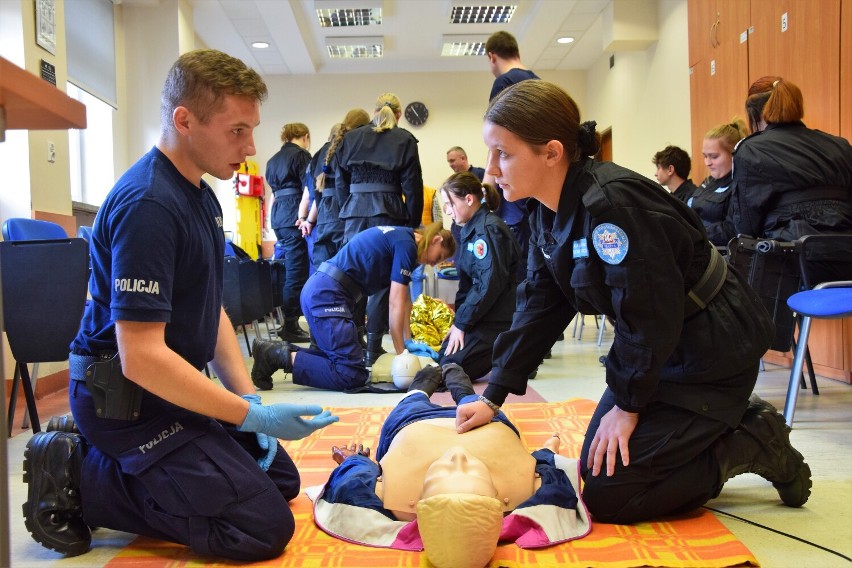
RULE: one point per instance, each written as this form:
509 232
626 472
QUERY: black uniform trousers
673 468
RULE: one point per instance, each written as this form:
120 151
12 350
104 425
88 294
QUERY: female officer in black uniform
378 165
325 211
488 256
675 421
285 173
791 181
713 197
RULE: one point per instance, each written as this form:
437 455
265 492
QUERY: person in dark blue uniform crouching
364 265
162 450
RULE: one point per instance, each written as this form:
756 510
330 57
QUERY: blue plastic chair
22 229
828 300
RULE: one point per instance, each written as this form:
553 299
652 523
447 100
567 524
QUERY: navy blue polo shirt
157 256
377 256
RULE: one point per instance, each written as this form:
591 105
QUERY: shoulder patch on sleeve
611 242
480 249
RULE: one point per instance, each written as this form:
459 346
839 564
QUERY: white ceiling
412 31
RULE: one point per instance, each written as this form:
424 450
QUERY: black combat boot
292 332
269 356
64 423
761 445
457 381
427 379
374 348
362 337
52 513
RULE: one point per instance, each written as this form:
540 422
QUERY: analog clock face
416 113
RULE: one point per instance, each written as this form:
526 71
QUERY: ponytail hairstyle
353 119
448 243
537 112
387 109
461 184
728 134
773 100
293 130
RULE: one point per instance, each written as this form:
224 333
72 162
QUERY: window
91 150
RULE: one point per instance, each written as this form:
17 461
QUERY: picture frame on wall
45 13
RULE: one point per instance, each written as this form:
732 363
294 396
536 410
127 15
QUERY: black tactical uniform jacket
488 258
375 171
285 174
712 200
621 247
791 181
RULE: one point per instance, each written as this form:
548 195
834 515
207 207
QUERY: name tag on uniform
581 249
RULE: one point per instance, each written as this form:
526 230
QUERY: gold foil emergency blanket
430 321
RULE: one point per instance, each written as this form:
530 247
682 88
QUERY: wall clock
416 113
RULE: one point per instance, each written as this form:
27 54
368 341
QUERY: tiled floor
822 432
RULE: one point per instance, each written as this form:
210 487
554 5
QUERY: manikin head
459 515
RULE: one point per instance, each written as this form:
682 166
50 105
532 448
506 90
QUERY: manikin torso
419 444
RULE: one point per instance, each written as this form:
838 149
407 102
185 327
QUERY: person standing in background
673 165
285 174
377 165
790 180
712 199
504 58
324 217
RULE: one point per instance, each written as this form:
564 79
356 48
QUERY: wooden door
846 69
807 53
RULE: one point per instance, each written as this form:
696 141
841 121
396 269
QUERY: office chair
44 292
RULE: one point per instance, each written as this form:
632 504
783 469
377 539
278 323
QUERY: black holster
115 395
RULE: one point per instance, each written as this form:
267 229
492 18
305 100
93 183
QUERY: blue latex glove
267 443
285 420
417 348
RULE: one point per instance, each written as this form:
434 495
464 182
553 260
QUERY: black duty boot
457 381
292 332
52 513
761 445
427 379
374 348
362 337
269 356
64 423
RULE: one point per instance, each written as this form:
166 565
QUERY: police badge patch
480 249
610 242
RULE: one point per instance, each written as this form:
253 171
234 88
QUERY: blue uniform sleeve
404 261
555 487
144 240
353 482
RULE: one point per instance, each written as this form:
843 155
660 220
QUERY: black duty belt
817 193
374 188
707 286
77 365
344 279
287 192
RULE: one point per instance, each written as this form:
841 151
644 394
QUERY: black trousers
673 468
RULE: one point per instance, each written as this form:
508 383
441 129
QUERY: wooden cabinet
813 50
719 78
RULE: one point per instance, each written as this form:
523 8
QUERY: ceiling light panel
463 45
486 14
355 47
348 13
